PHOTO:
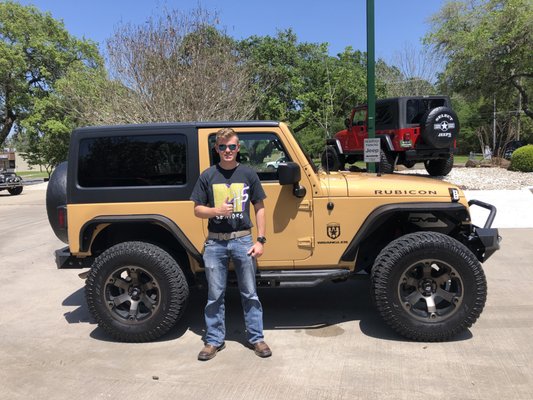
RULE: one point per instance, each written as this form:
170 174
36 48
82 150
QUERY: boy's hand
256 250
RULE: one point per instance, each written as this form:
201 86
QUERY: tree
35 51
177 67
302 84
44 135
412 72
277 64
487 44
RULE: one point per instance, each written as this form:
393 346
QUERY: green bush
522 159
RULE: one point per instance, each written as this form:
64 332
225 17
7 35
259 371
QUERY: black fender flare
86 231
336 144
376 218
386 142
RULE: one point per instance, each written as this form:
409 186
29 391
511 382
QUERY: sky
341 23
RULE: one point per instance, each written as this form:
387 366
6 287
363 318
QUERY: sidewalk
514 207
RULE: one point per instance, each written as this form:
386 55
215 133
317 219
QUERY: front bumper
484 241
10 185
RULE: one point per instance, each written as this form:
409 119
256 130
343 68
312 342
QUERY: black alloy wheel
136 291
428 286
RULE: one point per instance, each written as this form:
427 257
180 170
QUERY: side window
384 114
416 109
132 160
261 151
359 118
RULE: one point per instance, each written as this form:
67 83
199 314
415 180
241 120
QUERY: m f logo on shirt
236 193
333 230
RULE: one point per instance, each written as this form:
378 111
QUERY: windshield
307 156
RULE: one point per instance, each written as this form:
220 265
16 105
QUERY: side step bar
306 278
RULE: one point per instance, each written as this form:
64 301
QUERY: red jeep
412 129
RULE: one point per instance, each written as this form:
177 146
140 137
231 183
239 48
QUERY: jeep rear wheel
428 286
441 167
136 291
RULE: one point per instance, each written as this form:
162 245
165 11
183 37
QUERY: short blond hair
225 134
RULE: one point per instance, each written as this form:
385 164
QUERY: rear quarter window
133 160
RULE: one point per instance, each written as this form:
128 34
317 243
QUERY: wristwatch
261 239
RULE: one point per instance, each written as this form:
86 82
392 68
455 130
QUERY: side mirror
289 174
347 123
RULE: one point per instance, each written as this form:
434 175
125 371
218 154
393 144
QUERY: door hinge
306 242
306 205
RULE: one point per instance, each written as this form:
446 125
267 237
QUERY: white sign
372 150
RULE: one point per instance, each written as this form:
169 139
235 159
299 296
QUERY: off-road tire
428 286
440 167
140 273
15 191
386 164
331 160
409 164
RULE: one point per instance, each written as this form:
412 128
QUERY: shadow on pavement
317 311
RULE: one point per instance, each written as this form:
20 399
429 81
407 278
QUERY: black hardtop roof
435 96
171 125
403 99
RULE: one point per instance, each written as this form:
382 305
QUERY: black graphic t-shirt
240 185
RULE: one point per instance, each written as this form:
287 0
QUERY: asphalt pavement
328 341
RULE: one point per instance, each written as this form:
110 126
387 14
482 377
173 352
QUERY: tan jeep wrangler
121 202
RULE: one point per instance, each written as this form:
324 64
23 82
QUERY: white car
275 164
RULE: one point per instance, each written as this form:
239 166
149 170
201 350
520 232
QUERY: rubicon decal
412 191
333 230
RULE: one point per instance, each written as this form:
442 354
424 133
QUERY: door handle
305 205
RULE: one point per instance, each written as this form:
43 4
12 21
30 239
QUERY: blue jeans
217 254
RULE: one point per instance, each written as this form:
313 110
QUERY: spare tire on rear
439 127
56 196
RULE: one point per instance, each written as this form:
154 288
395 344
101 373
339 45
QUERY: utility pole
494 128
518 115
370 75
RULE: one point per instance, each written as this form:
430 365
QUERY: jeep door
289 219
359 129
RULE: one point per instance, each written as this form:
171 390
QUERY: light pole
370 75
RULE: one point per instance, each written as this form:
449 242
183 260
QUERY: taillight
62 217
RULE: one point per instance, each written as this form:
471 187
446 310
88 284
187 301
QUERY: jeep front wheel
15 191
428 286
136 291
331 160
387 161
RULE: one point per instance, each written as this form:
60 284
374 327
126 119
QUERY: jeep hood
359 184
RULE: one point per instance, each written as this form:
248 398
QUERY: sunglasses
223 147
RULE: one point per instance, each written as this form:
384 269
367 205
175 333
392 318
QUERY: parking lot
328 341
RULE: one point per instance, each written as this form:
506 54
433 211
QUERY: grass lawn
32 174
